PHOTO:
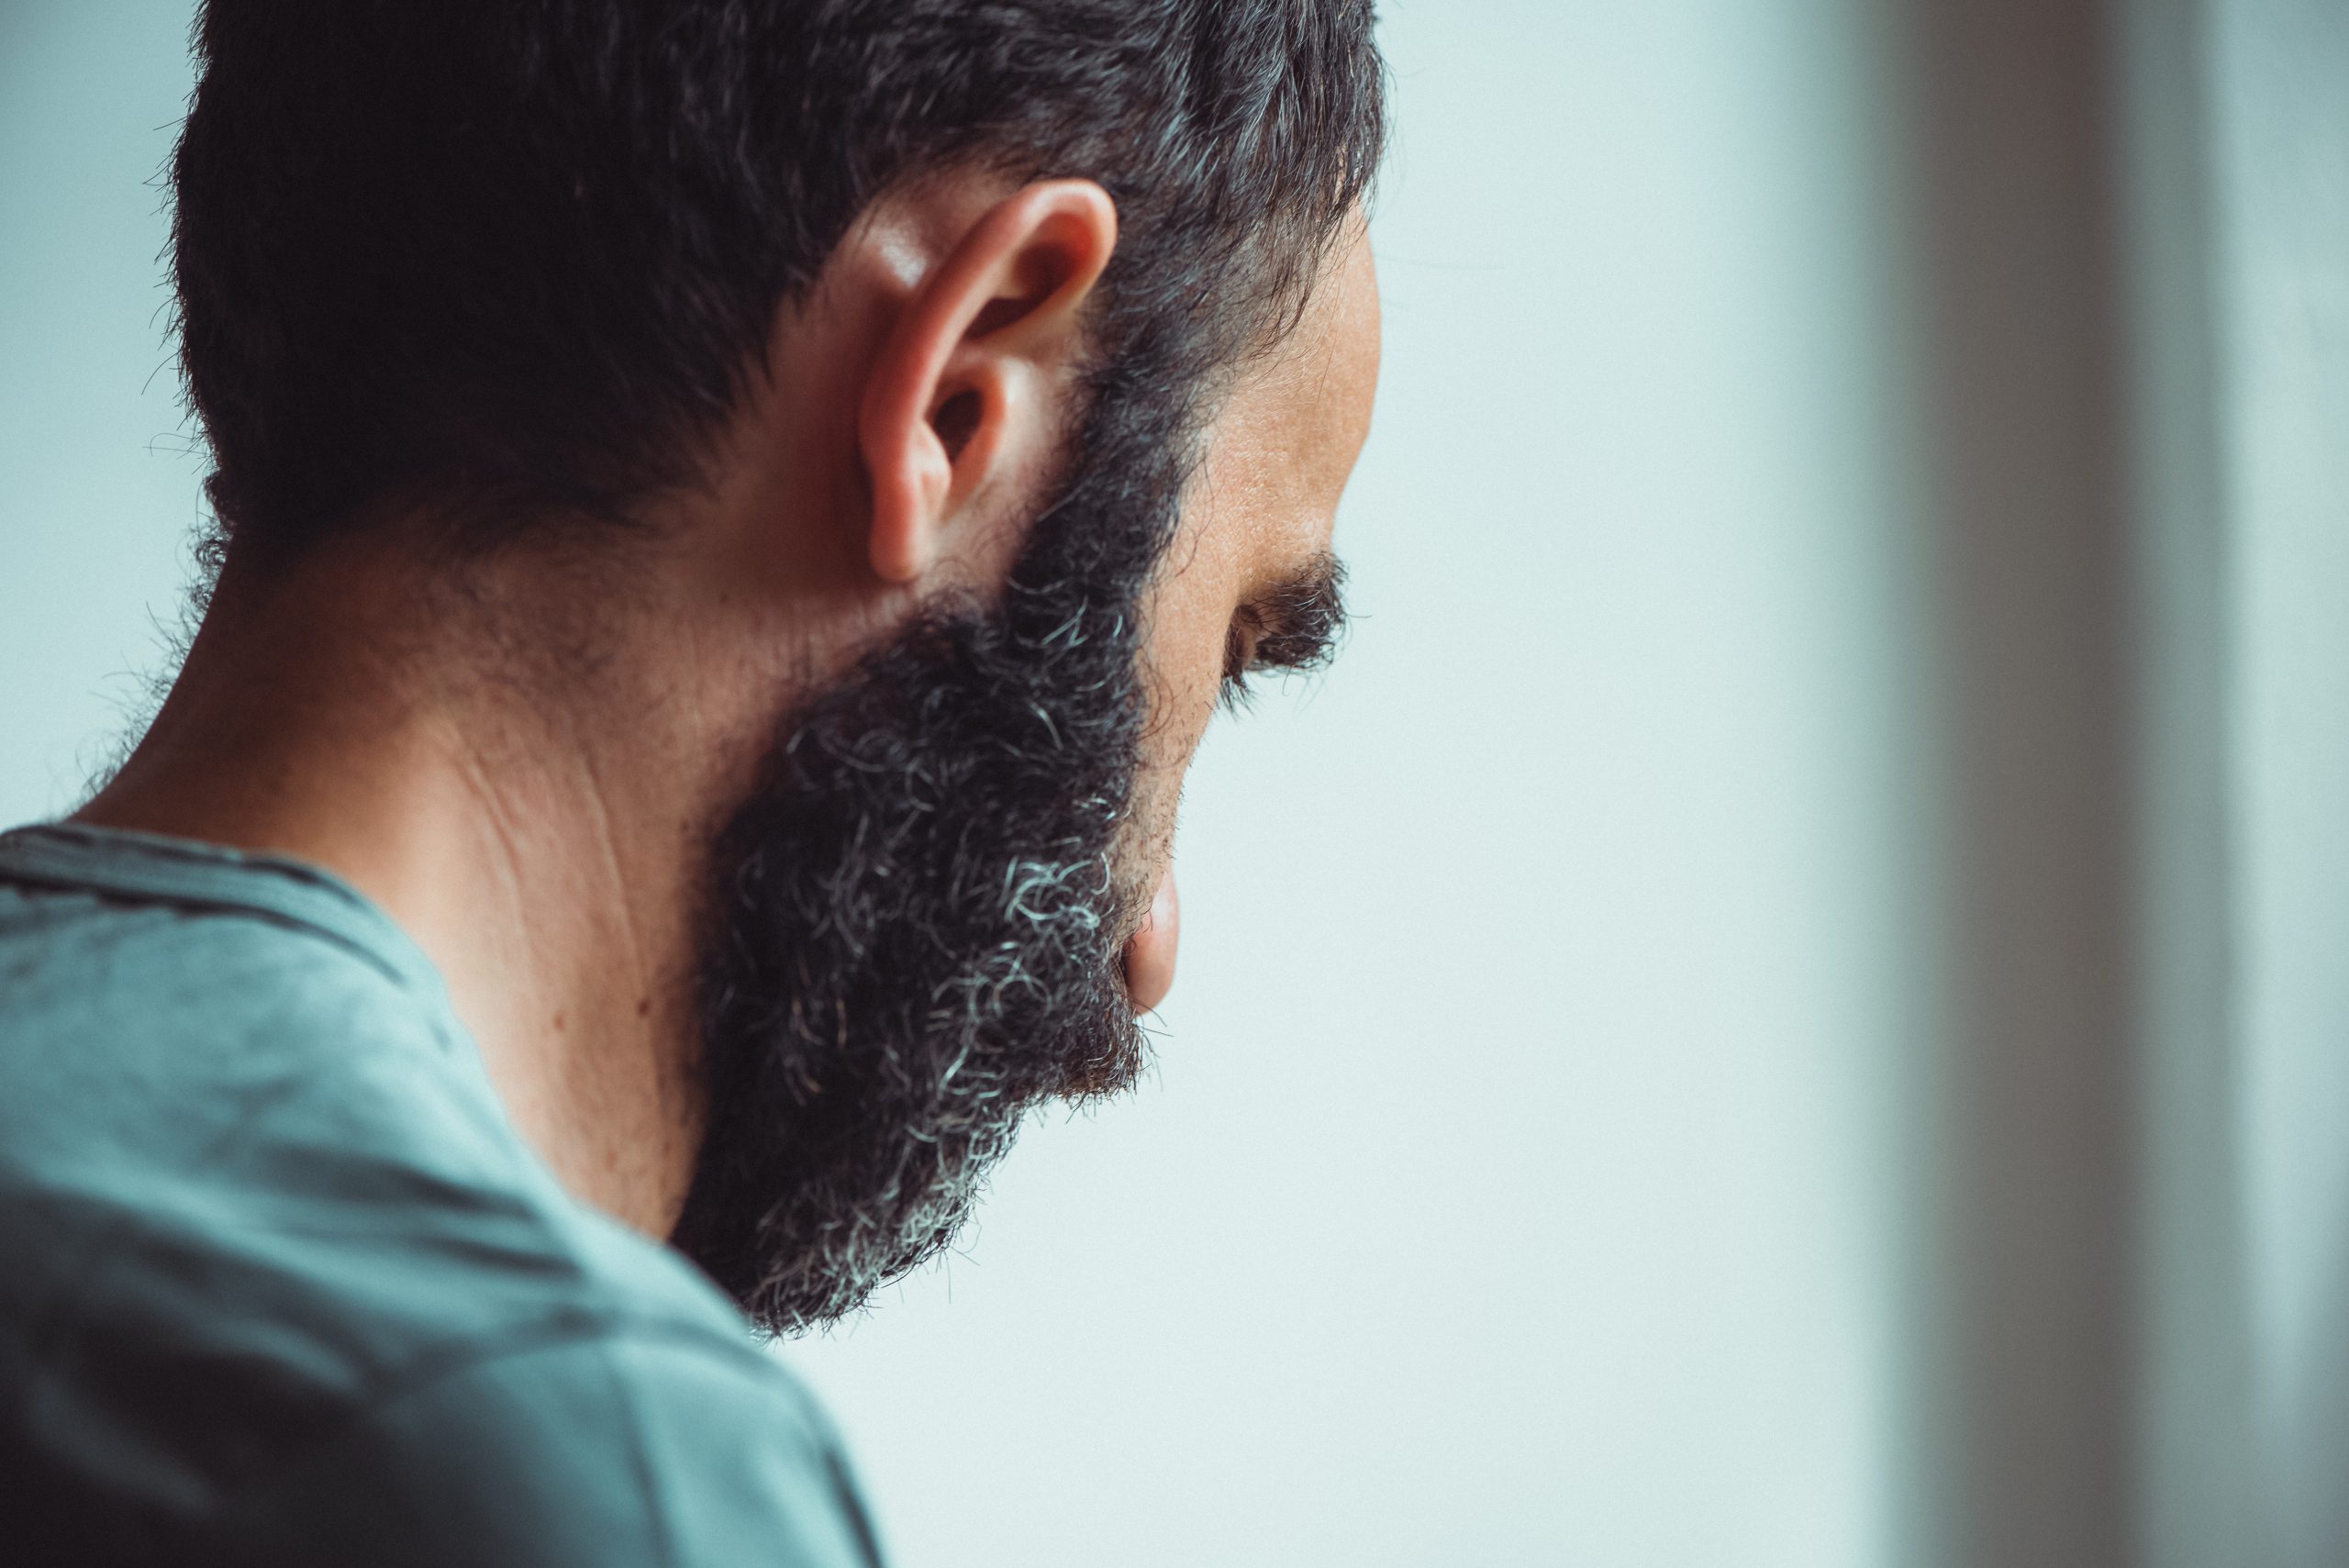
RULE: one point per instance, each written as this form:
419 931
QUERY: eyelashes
1297 628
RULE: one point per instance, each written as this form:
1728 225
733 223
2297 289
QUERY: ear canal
956 420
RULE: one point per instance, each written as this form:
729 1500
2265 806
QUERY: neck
361 716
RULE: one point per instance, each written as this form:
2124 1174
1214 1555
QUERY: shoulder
156 1029
573 1446
261 1219
635 1444
178 1073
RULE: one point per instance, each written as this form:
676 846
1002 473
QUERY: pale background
1784 1004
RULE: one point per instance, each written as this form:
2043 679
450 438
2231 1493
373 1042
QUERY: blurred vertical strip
2019 340
2129 224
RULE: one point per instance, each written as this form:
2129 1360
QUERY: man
732 516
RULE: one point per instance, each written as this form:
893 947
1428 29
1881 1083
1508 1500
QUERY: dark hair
517 257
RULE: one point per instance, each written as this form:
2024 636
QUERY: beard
917 919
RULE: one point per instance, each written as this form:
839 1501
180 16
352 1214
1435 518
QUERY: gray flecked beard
917 918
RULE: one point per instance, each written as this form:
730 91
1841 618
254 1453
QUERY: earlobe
950 401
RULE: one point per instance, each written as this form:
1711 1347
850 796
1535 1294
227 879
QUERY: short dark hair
516 257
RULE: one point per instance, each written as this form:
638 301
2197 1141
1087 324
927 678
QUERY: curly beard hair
917 919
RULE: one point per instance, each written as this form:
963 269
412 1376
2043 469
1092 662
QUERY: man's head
945 399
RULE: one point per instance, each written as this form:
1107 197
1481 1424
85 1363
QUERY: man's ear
965 388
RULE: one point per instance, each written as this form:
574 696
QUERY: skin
521 760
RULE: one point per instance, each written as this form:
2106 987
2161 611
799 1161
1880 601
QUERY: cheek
1190 623
1183 676
1186 678
1182 695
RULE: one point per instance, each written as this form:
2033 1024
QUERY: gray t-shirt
279 1284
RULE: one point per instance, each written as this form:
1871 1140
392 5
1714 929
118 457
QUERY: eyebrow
1295 625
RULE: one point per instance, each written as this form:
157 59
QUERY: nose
1150 952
